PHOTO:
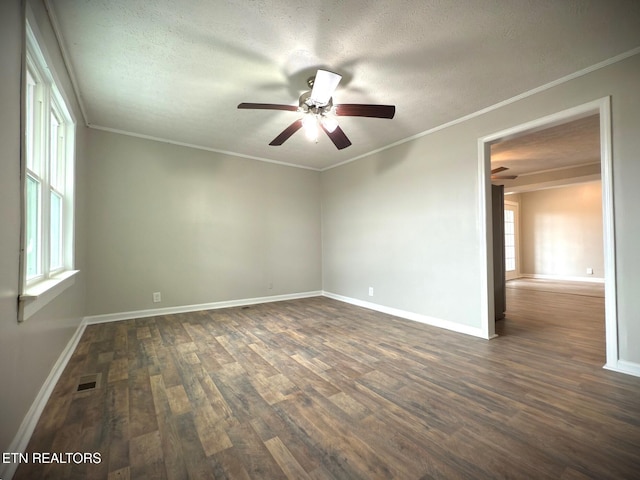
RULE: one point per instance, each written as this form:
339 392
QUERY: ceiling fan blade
286 133
267 106
365 110
498 170
338 137
503 177
324 84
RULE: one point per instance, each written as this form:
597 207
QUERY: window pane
509 228
33 244
509 240
508 215
56 231
53 146
30 120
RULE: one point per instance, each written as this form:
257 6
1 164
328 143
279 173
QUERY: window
511 240
47 170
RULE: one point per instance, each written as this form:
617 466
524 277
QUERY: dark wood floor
315 388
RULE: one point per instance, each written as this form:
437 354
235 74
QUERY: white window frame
39 287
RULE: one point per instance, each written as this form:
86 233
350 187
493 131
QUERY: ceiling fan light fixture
324 85
329 123
310 125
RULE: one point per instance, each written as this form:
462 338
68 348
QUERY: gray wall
196 226
405 220
28 350
561 231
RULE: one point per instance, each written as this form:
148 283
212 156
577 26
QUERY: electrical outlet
371 291
157 297
589 271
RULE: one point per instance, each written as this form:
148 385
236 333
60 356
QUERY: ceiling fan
501 177
319 112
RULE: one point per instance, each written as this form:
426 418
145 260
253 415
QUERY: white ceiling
555 148
177 69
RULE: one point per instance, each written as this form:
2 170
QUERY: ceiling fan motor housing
306 105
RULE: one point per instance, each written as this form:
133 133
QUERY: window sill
37 296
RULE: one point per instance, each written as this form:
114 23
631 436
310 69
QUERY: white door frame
602 107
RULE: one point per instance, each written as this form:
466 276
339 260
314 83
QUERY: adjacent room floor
316 388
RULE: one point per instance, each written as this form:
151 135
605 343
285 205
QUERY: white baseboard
564 278
114 317
28 425
626 367
416 317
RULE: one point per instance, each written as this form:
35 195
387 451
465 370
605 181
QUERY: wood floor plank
122 474
142 416
239 394
118 370
169 371
146 456
319 389
215 398
116 426
271 425
289 465
178 400
336 439
254 455
173 456
350 406
227 465
196 460
120 345
211 430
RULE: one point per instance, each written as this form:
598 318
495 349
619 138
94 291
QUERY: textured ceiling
555 148
177 69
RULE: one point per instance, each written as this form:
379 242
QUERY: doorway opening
601 108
